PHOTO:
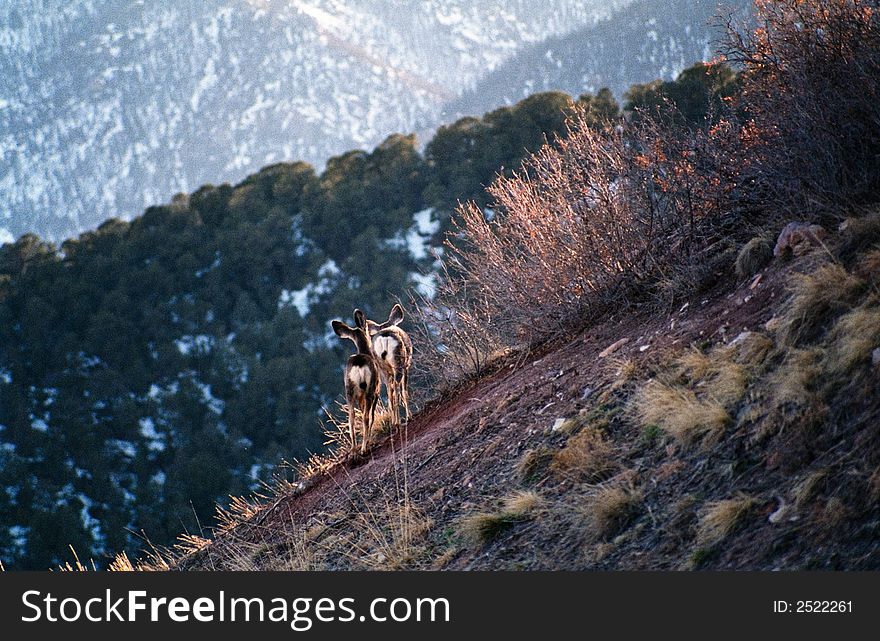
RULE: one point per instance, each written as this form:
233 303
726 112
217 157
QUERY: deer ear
373 327
359 319
342 330
396 315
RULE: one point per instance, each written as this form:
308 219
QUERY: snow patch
200 343
126 448
214 404
303 298
425 284
155 440
419 235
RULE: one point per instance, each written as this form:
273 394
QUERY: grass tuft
854 336
795 380
753 257
587 456
817 297
534 463
750 350
720 518
610 509
680 413
483 527
804 491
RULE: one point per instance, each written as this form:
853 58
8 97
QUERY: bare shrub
590 222
811 81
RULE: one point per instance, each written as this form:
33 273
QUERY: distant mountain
107 106
641 42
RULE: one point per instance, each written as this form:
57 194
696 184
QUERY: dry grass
816 298
337 442
301 556
868 268
611 508
121 563
534 463
521 503
720 518
444 559
860 235
240 510
391 539
573 424
691 399
727 384
714 376
482 527
753 257
627 371
854 336
679 412
794 381
804 491
587 456
76 566
750 350
834 514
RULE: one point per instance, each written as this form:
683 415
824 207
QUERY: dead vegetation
818 295
609 509
482 527
753 257
691 400
720 518
707 450
587 456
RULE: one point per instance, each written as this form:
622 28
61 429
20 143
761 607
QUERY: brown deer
392 350
361 377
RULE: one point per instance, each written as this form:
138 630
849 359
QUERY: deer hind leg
373 403
388 383
365 417
368 411
393 401
404 393
351 420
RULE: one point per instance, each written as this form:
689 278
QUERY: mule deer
392 349
361 377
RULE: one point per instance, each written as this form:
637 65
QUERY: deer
392 350
361 377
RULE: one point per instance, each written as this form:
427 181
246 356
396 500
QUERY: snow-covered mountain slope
643 41
107 106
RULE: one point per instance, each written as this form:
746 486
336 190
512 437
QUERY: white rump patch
360 375
384 348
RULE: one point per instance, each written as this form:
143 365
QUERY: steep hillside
721 434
